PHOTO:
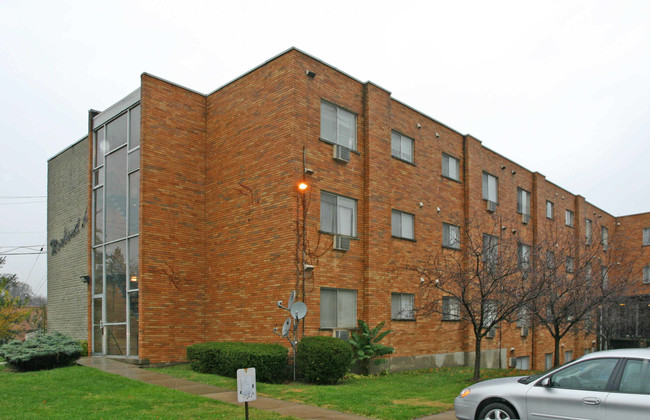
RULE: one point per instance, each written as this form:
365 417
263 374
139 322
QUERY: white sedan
606 385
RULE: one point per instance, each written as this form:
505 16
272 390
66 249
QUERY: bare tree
575 277
475 279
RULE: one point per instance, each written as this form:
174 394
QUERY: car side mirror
546 382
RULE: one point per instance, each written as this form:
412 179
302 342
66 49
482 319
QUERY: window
636 377
646 237
646 274
490 250
338 215
490 187
489 314
338 126
401 146
549 209
604 275
590 375
338 308
523 202
569 218
402 305
550 260
450 236
450 167
522 363
450 309
604 237
548 361
588 229
523 257
523 317
403 225
569 264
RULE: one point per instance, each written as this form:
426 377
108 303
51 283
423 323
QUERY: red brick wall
172 220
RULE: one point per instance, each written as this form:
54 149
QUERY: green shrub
323 360
45 351
269 360
366 347
84 347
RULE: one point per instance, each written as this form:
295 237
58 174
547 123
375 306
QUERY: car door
578 391
630 398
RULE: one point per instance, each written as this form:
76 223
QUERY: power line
23 253
20 233
4 197
34 265
25 202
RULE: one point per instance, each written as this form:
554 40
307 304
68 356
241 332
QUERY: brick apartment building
178 219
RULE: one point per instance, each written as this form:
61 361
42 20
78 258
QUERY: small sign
246 386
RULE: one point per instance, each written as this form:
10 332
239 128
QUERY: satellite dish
292 298
286 326
298 310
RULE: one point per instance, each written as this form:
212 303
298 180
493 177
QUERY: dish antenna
298 310
286 327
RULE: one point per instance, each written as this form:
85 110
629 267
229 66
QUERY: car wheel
497 411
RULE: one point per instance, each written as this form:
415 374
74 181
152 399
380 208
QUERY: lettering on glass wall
68 234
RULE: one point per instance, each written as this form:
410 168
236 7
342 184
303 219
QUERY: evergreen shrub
45 351
221 358
323 360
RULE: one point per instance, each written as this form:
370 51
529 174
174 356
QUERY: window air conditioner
491 206
525 218
524 331
492 332
341 243
341 334
341 153
512 362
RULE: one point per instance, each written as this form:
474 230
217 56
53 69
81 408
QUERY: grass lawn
394 396
81 392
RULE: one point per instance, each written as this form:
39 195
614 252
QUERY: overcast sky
560 87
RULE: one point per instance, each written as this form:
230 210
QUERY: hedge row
269 360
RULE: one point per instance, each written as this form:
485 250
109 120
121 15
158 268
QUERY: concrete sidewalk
286 408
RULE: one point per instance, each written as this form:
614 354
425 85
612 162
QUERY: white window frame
523 201
402 306
569 218
341 295
646 274
646 236
450 308
588 231
342 205
399 143
336 119
400 220
490 249
550 210
490 187
570 264
604 237
450 167
450 236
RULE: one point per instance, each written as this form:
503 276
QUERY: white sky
560 87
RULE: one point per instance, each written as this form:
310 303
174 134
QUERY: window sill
403 319
451 247
354 238
405 239
450 320
332 143
403 160
451 179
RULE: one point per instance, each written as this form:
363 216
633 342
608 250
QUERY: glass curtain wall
116 197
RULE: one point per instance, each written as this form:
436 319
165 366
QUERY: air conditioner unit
492 332
524 331
341 243
512 362
491 206
341 153
341 334
525 218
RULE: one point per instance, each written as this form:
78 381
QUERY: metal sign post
246 387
